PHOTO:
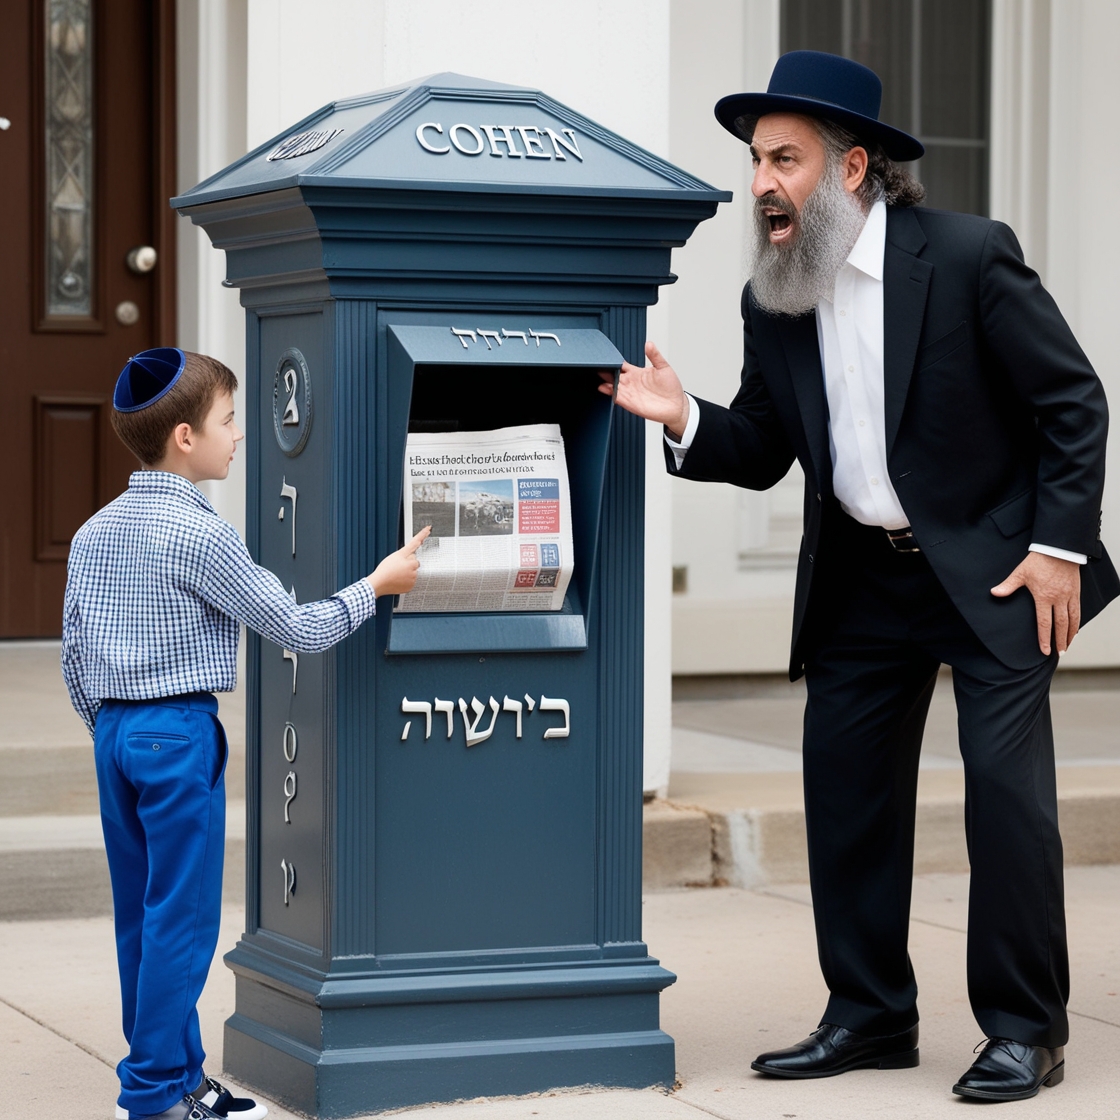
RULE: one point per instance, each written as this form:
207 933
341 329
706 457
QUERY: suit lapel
803 355
905 287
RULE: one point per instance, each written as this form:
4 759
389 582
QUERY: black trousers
870 679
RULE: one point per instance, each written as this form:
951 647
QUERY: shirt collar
166 482
867 253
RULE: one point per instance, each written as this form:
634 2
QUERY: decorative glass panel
69 156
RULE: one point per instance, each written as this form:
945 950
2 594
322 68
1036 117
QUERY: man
952 436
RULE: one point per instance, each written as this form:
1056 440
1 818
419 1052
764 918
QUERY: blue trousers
160 777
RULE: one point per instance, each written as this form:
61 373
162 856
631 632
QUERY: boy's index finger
418 540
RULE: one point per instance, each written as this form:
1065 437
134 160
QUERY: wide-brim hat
147 377
820 85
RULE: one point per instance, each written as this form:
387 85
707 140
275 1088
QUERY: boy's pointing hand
396 574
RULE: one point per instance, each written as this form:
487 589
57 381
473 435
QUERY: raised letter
516 334
509 705
530 703
287 491
506 138
289 870
538 335
480 145
487 335
474 736
462 336
424 143
529 141
559 142
289 794
291 744
548 705
294 659
417 707
448 708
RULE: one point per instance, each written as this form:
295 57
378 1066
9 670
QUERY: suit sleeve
744 444
1050 372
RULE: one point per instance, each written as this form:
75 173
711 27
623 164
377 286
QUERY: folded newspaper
500 510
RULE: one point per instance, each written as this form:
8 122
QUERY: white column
211 107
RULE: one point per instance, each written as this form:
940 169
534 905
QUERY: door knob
142 259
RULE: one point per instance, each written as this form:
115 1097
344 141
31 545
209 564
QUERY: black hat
820 85
146 377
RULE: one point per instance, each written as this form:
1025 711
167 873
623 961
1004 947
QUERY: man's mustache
775 202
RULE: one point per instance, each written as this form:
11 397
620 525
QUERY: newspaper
500 510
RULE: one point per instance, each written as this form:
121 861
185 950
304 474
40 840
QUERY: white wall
251 68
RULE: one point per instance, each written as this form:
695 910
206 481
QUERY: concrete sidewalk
747 981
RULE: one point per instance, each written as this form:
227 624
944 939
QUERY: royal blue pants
160 776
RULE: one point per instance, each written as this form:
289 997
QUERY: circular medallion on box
291 402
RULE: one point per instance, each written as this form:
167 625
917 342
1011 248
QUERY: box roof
378 140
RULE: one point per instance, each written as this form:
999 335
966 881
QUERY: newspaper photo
501 515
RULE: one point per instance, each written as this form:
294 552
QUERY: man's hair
884 180
146 432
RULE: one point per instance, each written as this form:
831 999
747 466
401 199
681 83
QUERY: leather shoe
830 1050
1011 1071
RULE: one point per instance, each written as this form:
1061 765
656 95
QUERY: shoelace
1003 1044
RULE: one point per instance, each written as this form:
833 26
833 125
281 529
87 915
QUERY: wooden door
86 145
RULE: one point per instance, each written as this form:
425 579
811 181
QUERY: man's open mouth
780 220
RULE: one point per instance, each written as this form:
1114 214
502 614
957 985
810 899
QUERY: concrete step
748 829
54 866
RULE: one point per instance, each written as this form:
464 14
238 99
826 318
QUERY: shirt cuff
1060 553
681 449
360 602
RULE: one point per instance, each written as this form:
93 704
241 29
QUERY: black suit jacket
995 427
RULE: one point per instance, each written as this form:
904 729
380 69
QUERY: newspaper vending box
444 812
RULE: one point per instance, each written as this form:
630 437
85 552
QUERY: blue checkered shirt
157 586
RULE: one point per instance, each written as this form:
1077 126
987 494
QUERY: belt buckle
902 540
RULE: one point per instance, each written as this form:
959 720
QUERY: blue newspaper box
444 812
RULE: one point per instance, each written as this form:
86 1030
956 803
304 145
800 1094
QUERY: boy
158 585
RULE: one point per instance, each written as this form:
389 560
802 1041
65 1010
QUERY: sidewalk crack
57 1033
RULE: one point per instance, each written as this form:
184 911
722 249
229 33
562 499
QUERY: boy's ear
182 437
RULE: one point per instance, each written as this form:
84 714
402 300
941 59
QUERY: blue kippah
147 376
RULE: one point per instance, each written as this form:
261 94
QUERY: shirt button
851 369
843 313
874 482
861 423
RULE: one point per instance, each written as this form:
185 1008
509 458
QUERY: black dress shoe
830 1050
1011 1071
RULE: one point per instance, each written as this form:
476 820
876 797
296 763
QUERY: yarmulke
146 377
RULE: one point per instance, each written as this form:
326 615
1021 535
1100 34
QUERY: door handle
142 259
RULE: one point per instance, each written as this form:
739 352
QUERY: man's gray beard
792 279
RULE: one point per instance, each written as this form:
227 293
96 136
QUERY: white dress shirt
850 337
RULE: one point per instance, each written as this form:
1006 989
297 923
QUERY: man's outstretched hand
1056 587
653 392
396 574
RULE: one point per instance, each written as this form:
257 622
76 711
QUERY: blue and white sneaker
211 1099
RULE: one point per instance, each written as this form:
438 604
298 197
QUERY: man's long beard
791 279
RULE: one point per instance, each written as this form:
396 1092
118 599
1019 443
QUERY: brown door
86 152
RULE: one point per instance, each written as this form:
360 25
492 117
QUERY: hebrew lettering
474 736
462 336
289 794
551 705
509 705
289 870
287 491
417 707
291 744
448 709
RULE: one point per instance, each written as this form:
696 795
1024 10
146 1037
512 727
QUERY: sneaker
215 1096
212 1099
186 1109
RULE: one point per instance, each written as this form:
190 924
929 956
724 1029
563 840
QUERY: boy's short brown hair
146 432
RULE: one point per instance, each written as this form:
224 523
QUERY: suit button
818 497
810 557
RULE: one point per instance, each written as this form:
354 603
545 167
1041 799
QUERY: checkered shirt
157 585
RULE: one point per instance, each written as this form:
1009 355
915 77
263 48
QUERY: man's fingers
1012 583
1045 616
1061 627
417 540
655 356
